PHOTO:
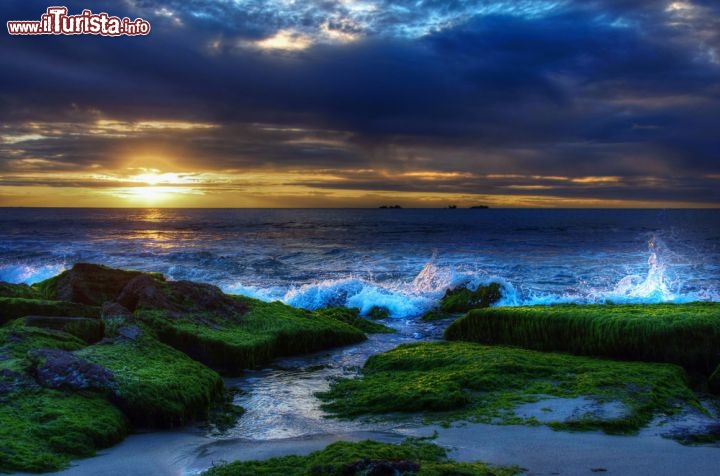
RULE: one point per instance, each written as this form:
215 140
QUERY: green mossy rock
462 299
351 316
343 458
16 341
88 329
42 429
266 331
14 308
378 312
683 334
87 283
157 386
461 380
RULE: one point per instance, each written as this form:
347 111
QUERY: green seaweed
684 334
88 329
411 457
462 299
15 308
88 283
458 380
16 341
351 316
158 386
378 312
42 429
266 331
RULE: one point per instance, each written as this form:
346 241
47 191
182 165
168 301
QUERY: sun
151 193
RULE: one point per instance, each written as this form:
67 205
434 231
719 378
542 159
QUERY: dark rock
11 381
88 284
463 299
114 309
132 332
145 292
14 308
62 369
88 329
382 468
179 297
378 312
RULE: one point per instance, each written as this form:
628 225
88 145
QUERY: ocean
401 259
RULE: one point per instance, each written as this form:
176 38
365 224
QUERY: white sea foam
407 299
29 274
662 280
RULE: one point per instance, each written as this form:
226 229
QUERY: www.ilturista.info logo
57 22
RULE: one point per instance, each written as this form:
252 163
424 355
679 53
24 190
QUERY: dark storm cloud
603 88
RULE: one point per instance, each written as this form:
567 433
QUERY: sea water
400 259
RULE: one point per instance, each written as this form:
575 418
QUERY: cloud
612 88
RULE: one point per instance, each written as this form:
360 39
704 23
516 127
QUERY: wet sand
540 450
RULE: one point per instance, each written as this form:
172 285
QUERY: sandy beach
540 450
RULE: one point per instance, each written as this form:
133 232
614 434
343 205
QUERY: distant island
390 206
480 206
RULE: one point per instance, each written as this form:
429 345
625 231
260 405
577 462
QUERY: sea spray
29 273
364 258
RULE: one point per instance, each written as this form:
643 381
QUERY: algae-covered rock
490 384
372 458
179 298
683 334
378 312
14 308
463 299
87 283
61 369
351 316
265 331
41 430
88 329
156 385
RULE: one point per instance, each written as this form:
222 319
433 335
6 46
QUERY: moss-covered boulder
14 308
462 299
88 329
180 298
265 331
60 369
87 283
157 386
351 316
489 384
411 457
378 312
683 334
41 429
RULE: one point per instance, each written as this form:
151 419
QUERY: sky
360 103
